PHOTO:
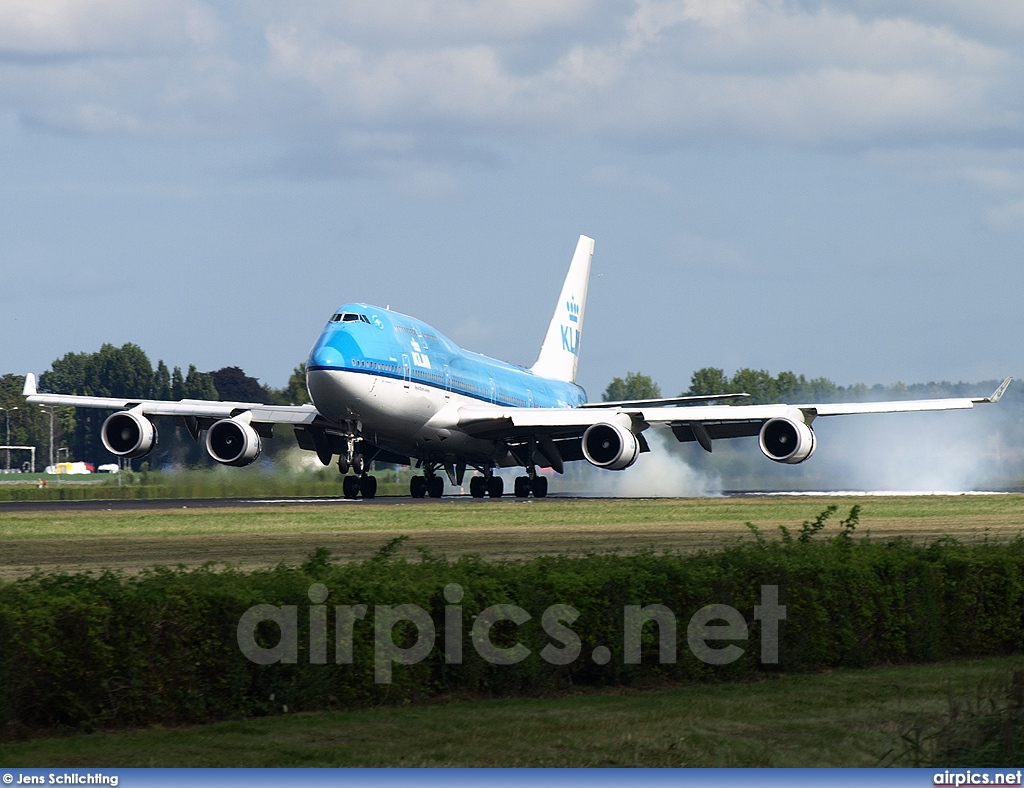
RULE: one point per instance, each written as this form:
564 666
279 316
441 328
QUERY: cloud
102 27
745 69
668 71
439 21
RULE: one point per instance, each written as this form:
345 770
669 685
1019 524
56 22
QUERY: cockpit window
349 317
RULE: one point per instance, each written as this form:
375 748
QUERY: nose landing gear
360 483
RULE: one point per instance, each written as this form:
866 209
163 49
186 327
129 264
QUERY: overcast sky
833 188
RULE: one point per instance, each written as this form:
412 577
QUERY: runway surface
199 503
237 503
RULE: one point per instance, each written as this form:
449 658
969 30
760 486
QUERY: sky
832 188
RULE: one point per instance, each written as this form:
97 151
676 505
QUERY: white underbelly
404 416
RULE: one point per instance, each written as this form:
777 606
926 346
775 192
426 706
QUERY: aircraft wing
701 423
200 409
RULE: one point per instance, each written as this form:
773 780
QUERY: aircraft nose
323 355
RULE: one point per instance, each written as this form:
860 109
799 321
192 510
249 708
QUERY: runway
157 504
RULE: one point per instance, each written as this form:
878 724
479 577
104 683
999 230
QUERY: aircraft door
406 370
493 392
447 379
529 398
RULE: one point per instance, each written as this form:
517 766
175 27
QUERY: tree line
763 388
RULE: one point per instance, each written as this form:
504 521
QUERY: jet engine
785 440
128 434
233 442
610 446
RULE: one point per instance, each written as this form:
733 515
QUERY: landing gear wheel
343 465
358 464
539 486
417 486
522 487
495 487
368 486
435 486
478 487
350 486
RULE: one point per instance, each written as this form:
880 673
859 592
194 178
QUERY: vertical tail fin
559 354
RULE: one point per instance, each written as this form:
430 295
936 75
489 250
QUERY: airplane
389 388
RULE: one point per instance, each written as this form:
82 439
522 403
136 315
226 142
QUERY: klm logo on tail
570 335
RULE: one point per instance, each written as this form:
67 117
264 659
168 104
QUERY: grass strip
837 718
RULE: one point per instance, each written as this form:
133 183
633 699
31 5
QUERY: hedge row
89 651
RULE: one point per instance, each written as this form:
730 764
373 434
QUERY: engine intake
786 440
610 446
128 434
233 442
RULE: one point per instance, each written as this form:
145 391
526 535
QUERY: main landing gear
535 485
430 484
532 482
488 484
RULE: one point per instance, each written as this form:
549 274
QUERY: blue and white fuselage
405 382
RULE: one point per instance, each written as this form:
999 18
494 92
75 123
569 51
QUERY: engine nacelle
233 442
128 434
610 446
786 440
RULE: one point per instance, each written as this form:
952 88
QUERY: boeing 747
386 387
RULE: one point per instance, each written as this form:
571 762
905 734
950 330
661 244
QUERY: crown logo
574 309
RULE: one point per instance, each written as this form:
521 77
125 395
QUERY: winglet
998 394
30 385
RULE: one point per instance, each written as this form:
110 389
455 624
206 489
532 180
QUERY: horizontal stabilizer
666 401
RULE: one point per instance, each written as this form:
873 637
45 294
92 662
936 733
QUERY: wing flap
717 430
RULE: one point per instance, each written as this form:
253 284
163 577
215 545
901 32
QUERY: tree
790 387
177 384
708 381
161 381
297 393
234 385
635 386
758 383
199 385
30 424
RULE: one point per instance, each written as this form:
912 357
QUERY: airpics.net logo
563 648
973 777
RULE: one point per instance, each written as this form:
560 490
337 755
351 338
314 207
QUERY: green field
507 529
840 718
